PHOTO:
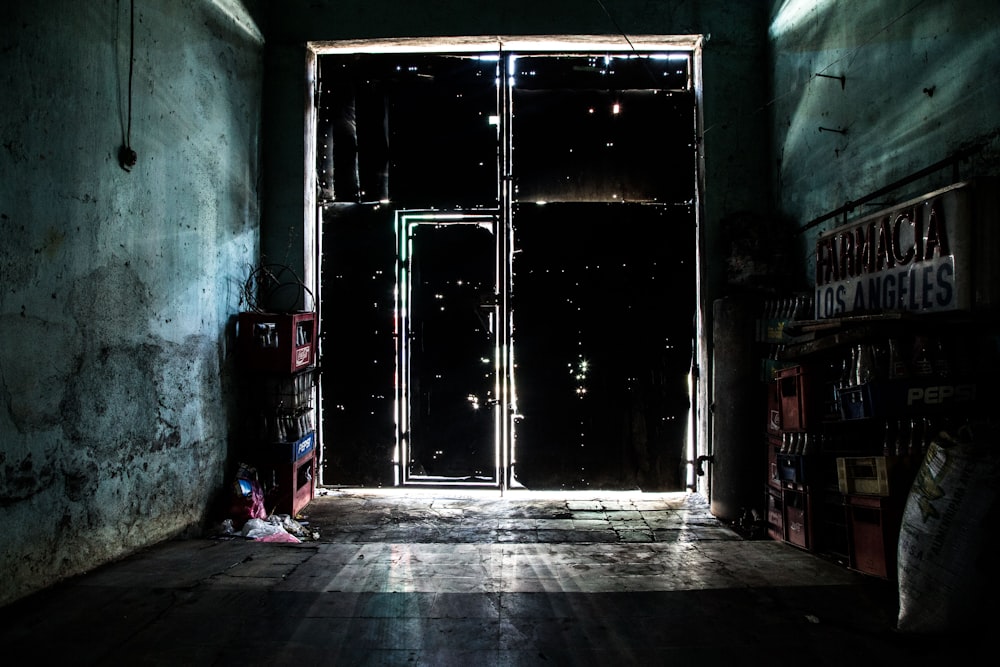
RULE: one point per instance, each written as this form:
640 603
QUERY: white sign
914 257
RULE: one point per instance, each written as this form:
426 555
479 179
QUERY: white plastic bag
946 559
258 528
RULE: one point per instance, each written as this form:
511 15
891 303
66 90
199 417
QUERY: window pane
420 130
603 130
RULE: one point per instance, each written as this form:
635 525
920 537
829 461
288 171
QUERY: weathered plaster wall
118 287
920 83
735 72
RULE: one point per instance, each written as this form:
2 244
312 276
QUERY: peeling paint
113 417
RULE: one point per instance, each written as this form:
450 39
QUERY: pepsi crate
276 342
287 392
292 485
303 446
775 515
797 398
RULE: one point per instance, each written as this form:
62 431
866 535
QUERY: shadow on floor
442 578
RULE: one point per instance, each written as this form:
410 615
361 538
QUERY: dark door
603 314
447 327
538 231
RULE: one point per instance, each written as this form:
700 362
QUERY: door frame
700 437
405 222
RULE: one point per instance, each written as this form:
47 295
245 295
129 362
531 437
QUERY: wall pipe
952 159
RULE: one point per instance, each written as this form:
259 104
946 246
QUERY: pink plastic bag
248 496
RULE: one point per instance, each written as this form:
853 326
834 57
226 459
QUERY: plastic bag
945 550
289 524
248 495
267 530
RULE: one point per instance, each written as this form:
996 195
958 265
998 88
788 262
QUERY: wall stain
23 480
52 242
80 483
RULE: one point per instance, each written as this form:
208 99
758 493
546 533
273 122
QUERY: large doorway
508 272
447 332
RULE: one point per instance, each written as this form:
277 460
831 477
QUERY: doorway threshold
493 492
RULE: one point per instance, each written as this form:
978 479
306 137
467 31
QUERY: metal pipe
850 205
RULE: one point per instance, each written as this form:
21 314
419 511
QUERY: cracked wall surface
117 287
865 97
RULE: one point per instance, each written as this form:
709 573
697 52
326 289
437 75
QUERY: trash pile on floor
274 528
250 519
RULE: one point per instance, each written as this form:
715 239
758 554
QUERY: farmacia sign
913 257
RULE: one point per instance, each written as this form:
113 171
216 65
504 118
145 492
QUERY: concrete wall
118 287
919 85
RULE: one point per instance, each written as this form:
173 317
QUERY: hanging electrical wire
126 156
628 41
260 291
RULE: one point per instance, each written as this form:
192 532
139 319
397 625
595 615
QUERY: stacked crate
796 473
790 504
848 425
874 511
278 351
774 507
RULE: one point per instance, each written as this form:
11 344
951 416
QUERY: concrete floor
480 579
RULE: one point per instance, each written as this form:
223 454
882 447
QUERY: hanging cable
126 156
615 24
645 65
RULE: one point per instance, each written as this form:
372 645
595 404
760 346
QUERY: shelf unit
278 354
852 405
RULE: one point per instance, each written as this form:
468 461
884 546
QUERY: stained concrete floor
480 579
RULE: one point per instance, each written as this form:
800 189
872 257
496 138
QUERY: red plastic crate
798 520
796 398
276 342
294 485
873 532
775 515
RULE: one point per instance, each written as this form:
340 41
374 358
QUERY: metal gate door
541 269
447 378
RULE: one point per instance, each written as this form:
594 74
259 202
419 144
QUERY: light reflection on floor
425 578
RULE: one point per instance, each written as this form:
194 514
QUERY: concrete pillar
737 467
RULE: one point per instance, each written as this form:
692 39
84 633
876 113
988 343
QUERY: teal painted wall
117 288
920 84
